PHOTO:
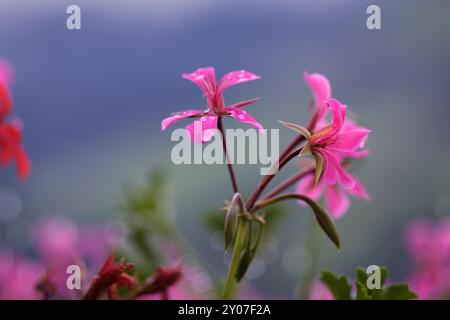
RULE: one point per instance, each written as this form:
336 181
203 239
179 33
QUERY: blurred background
92 101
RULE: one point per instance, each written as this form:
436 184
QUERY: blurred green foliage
341 287
148 219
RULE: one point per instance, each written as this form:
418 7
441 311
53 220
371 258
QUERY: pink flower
429 247
18 277
60 243
212 90
319 291
335 141
321 88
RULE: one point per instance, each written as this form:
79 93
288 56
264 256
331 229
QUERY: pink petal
177 117
339 111
349 141
205 78
235 77
359 191
243 116
334 169
336 201
321 88
328 134
307 187
330 176
203 130
359 154
350 125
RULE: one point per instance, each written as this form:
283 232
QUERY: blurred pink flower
429 247
59 240
6 73
205 79
60 243
319 291
18 277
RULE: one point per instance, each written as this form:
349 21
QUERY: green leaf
362 276
231 219
339 286
399 291
303 131
361 291
324 220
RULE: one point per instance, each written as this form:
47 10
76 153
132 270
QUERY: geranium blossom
205 79
331 143
335 141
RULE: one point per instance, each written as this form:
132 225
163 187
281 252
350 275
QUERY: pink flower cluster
60 243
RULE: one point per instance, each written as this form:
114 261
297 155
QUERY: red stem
229 165
287 183
265 181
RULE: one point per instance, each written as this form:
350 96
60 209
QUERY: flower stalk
229 165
